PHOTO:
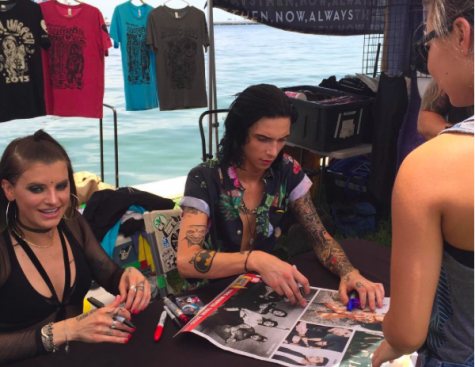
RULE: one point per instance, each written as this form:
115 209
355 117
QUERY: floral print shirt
215 190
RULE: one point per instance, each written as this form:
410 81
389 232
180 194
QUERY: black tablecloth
189 350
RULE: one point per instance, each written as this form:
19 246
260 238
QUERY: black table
189 350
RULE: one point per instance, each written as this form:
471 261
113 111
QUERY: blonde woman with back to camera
433 221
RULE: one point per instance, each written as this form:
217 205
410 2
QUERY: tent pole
212 81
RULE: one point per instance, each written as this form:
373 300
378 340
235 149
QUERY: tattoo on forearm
189 210
195 235
327 249
84 315
203 260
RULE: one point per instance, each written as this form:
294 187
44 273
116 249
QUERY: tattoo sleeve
328 251
189 210
195 235
203 260
435 100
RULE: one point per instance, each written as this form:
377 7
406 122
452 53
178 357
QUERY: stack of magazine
251 319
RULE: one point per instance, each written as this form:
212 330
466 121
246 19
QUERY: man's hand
370 292
384 353
280 276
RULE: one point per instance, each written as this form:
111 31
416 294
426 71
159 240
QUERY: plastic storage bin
327 127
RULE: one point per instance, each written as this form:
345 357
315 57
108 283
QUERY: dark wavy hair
254 103
19 155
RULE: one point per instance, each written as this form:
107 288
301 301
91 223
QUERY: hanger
186 2
77 1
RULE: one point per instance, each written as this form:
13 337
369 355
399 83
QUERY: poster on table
249 318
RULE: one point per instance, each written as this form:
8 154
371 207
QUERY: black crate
326 128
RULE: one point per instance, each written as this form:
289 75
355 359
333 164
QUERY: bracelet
47 336
245 262
66 348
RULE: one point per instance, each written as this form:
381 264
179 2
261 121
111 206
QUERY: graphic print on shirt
138 57
180 55
66 57
16 48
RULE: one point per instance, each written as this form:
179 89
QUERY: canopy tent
392 25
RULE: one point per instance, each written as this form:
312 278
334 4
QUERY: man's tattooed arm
328 251
203 260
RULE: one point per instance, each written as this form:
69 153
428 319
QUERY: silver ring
113 326
133 287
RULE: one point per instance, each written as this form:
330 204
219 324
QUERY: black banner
330 17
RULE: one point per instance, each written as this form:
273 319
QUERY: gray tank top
450 336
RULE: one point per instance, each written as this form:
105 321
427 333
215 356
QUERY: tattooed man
233 205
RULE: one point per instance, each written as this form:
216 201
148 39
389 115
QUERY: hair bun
39 135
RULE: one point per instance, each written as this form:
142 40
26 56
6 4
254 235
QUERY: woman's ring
133 287
113 326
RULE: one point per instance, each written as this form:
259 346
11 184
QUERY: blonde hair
442 13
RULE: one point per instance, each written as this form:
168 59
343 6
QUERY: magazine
251 319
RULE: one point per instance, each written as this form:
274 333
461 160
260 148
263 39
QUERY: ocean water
156 145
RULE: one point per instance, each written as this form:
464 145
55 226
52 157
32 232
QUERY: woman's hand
370 292
134 290
280 276
384 353
98 325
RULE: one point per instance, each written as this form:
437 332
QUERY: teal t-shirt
129 29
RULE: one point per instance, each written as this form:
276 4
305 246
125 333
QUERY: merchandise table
372 260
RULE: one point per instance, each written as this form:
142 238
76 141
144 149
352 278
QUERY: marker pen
98 304
172 316
176 311
161 324
354 301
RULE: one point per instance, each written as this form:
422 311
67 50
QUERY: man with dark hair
234 205
298 359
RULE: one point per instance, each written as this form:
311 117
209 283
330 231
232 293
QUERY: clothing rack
116 145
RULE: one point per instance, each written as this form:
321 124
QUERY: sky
107 7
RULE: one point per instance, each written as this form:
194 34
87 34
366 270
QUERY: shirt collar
231 181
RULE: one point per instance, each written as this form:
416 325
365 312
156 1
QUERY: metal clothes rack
116 145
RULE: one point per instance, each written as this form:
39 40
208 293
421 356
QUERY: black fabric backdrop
191 350
331 17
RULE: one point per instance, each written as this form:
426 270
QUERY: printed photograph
295 355
361 349
318 337
326 309
255 320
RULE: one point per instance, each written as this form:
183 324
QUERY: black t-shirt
22 33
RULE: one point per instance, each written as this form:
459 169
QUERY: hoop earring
6 214
75 196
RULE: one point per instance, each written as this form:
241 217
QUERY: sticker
169 259
160 222
347 129
165 242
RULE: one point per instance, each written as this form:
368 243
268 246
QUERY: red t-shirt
74 64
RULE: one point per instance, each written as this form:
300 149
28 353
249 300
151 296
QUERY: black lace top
23 311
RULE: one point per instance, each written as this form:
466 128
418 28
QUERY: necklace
34 230
243 208
251 241
31 243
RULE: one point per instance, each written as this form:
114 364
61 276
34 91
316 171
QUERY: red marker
175 310
161 324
